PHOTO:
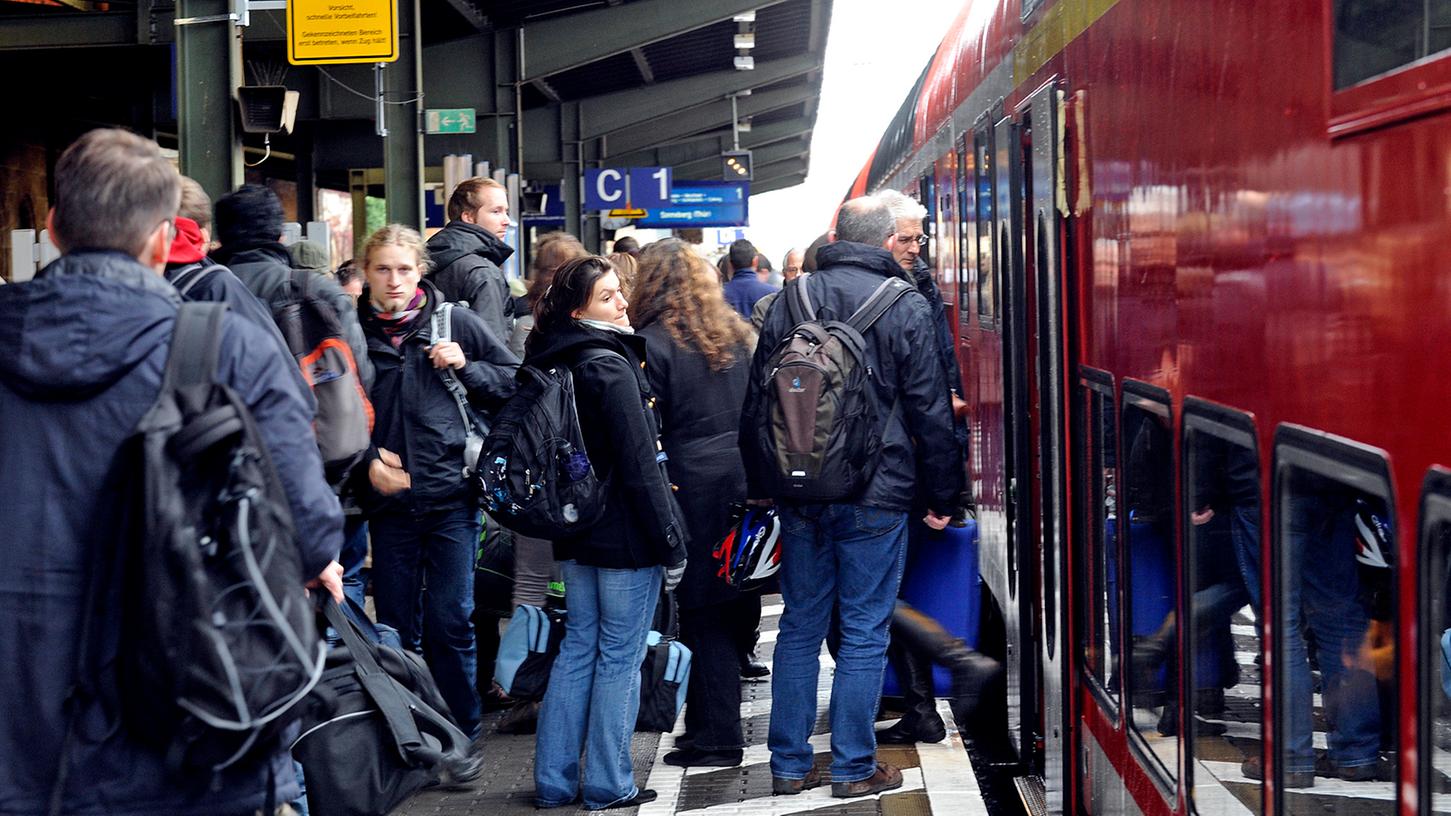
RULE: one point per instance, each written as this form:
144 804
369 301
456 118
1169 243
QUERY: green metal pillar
572 189
208 69
402 115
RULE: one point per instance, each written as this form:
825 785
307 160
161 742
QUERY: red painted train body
1197 258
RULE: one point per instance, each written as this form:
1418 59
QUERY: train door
1018 606
1043 137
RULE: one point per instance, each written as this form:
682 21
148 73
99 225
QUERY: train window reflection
1373 37
1151 577
1099 580
1222 545
1335 625
986 294
1435 714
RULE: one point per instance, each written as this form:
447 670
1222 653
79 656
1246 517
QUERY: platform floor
938 779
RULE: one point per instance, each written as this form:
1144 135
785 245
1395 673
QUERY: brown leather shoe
886 778
790 787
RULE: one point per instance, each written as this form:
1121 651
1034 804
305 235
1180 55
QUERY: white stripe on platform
1212 797
947 772
772 610
1229 772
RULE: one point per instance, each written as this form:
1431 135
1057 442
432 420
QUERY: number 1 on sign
663 177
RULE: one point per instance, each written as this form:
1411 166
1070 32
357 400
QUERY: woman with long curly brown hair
699 351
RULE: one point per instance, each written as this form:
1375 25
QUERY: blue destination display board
702 204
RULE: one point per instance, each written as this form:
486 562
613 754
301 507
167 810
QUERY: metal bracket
210 18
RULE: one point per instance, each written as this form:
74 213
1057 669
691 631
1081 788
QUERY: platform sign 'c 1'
326 32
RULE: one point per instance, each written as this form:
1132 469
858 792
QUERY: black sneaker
692 758
642 796
1253 768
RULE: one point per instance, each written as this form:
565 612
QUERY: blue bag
664 678
1446 663
527 651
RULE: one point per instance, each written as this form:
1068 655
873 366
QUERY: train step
1033 794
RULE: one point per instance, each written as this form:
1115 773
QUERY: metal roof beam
642 64
777 184
469 10
770 154
712 144
610 112
768 173
712 116
547 90
68 30
571 40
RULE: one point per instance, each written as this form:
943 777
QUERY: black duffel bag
665 671
375 729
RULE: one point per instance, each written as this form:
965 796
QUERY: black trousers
716 635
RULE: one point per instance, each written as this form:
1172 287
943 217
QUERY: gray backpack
819 433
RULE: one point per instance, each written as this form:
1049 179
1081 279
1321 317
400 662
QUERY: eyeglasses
920 239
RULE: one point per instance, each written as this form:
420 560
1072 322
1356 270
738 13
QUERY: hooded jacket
918 446
86 344
415 416
946 344
266 268
641 526
468 261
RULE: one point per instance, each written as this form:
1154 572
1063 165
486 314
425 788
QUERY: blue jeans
423 586
849 558
1323 585
594 687
354 554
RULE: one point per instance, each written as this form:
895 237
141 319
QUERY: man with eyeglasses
919 641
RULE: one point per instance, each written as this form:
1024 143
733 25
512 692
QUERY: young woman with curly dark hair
700 350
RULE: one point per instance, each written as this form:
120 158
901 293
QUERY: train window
1221 478
1334 613
987 298
1373 37
1151 572
1435 697
1097 575
965 226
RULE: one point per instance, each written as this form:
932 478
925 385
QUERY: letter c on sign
616 178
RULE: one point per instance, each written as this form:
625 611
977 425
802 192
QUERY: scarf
397 324
603 326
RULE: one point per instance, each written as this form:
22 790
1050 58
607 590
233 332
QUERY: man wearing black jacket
469 252
848 555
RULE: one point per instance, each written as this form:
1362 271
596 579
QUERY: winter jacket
946 344
86 344
467 261
918 448
641 526
700 418
415 416
266 268
744 289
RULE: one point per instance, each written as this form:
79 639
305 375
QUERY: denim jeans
594 687
354 554
849 558
423 586
1323 585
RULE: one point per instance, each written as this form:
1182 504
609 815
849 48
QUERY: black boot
972 672
920 723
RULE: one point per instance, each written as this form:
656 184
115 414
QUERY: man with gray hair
845 556
87 342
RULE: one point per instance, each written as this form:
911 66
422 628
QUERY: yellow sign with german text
326 32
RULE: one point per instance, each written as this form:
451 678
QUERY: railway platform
938 779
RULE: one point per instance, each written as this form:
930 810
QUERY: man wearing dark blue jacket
848 554
745 287
87 342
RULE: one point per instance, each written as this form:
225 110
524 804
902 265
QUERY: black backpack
536 477
818 434
314 334
218 643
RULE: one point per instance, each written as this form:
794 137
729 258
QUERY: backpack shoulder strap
441 323
798 301
193 275
891 290
195 341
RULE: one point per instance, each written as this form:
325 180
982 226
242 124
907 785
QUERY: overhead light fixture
736 165
746 41
745 17
745 63
743 125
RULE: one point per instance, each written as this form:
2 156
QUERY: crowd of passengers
86 344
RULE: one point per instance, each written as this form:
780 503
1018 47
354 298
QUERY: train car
1198 260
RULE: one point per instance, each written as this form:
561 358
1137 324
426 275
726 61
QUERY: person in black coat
469 253
699 351
612 571
424 519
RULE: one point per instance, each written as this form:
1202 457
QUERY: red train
1198 258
